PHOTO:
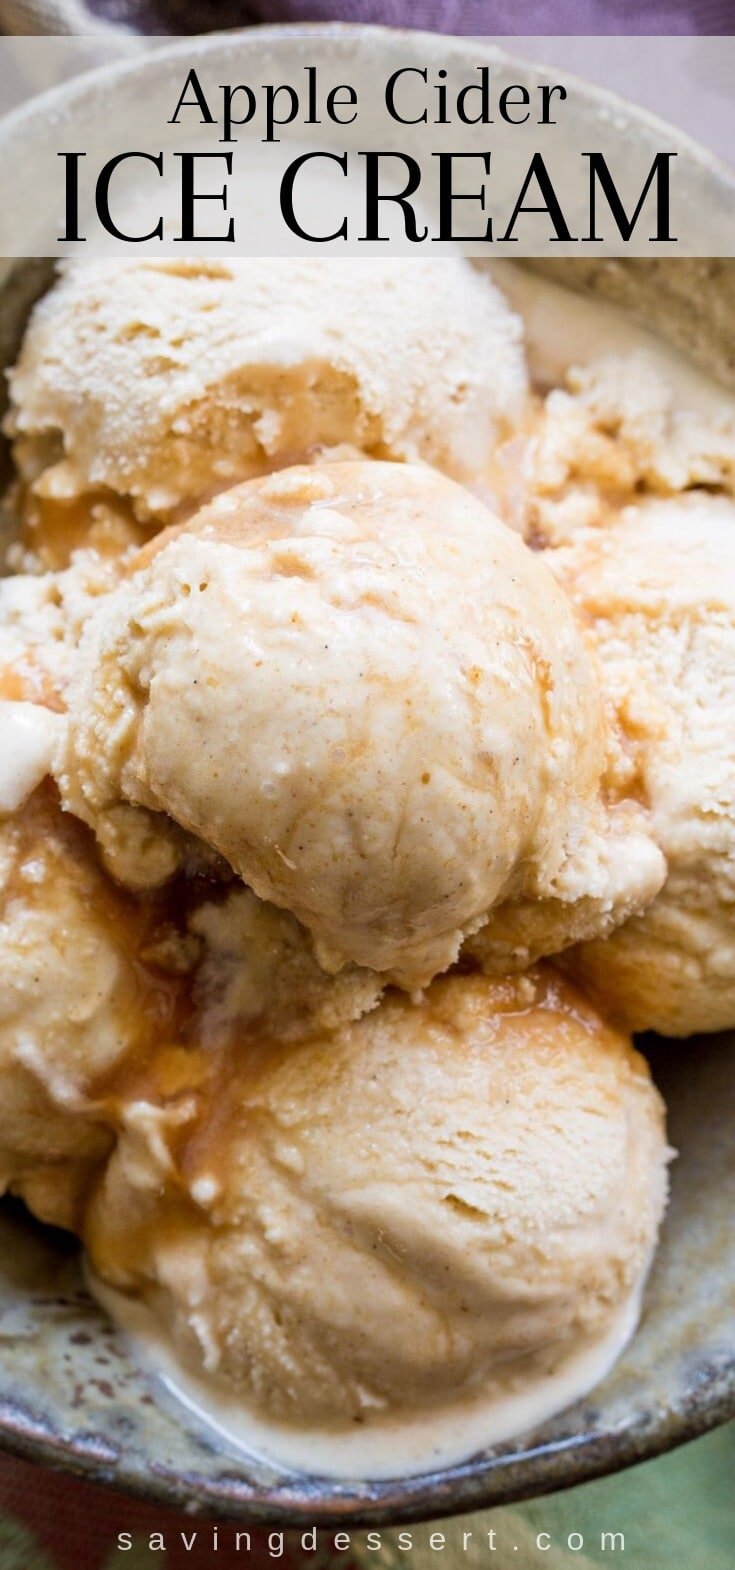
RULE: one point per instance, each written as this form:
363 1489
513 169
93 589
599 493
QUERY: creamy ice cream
333 729
657 589
77 995
257 963
61 981
647 555
166 381
41 619
73 1004
371 698
435 1203
92 979
617 430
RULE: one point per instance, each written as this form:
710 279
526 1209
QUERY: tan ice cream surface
77 998
257 963
74 1002
647 556
41 619
166 381
617 430
657 589
371 698
266 776
441 1199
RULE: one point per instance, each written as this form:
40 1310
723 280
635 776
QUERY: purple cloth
508 17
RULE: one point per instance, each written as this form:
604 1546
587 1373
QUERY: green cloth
677 1513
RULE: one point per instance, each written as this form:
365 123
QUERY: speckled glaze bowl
70 1392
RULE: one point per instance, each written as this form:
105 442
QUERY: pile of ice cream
368 773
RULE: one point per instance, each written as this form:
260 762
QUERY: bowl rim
478 1483
475 1485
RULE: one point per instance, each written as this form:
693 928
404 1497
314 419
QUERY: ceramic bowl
72 1395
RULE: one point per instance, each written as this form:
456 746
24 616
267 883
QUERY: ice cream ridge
372 750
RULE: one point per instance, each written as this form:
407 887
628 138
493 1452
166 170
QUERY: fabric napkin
509 17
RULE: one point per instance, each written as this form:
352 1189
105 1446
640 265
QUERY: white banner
286 141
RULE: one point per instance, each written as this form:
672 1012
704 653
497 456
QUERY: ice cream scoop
630 493
620 428
74 1002
656 587
77 996
372 699
421 1214
166 381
